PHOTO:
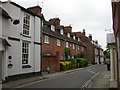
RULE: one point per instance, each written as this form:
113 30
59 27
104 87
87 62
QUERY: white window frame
25 53
82 48
78 39
68 34
67 44
72 57
46 39
78 47
74 37
26 24
52 27
61 31
73 46
58 42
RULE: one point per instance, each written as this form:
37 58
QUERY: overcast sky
92 15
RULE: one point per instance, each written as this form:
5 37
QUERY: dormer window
68 34
52 27
78 39
61 31
74 37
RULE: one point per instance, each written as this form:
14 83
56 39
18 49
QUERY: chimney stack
90 36
68 28
36 9
83 31
56 20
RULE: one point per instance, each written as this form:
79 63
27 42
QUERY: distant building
93 51
98 52
89 50
20 43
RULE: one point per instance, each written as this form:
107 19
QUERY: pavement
99 80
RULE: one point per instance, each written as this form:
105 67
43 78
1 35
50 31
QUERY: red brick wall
89 50
52 62
52 47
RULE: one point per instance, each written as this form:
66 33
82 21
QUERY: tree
107 53
67 52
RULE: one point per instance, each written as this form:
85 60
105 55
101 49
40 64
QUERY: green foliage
107 53
73 63
81 55
67 52
81 62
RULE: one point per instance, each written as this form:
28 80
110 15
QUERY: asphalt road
75 79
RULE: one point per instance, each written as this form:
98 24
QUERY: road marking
88 82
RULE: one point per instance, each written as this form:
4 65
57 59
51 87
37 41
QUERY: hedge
73 63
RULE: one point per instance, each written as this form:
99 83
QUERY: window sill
26 66
58 45
47 43
26 35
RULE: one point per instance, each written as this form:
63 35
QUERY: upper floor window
68 34
78 47
25 52
73 46
52 27
82 48
26 24
67 45
47 41
78 39
74 37
61 31
58 42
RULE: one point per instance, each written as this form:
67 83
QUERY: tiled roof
4 13
47 31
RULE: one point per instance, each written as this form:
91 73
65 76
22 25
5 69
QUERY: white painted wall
10 30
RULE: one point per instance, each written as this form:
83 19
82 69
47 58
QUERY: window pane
26 24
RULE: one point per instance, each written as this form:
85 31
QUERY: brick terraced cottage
55 39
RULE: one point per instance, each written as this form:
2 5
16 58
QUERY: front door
1 65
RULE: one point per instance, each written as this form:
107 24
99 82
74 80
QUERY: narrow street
75 79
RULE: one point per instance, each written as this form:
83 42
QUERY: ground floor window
25 52
61 57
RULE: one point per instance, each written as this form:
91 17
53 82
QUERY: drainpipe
41 22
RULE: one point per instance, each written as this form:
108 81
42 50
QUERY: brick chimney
56 20
68 28
90 36
35 9
83 31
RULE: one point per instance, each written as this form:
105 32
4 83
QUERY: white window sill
46 43
26 35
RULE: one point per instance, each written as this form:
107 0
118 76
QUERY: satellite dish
15 22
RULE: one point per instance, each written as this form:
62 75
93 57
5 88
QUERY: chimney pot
83 31
90 36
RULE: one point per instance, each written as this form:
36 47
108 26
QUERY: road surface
74 79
